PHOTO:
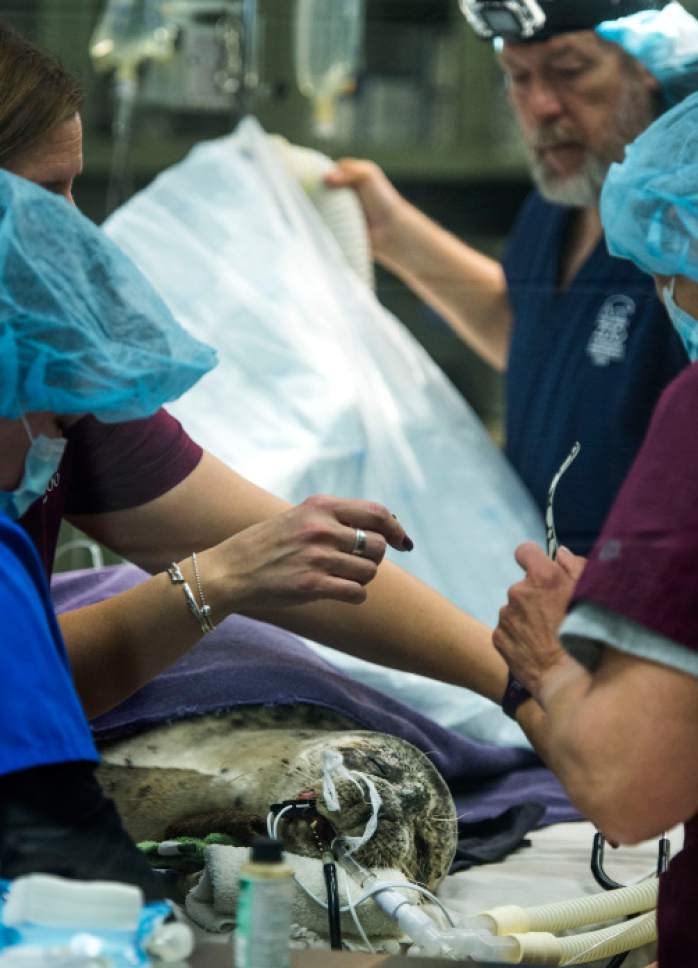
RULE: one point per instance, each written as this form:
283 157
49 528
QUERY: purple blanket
251 663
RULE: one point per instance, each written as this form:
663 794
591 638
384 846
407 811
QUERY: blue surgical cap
649 203
81 330
665 42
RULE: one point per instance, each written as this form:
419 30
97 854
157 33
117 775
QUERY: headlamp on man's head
532 20
509 19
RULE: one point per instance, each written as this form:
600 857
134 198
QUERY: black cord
608 884
597 868
329 869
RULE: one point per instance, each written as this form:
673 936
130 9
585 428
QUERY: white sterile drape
320 389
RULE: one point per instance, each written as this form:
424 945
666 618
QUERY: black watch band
514 695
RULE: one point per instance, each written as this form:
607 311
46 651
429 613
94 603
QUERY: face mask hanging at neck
41 463
684 324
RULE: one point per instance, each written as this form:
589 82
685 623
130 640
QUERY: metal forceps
551 541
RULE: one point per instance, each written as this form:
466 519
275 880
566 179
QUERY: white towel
211 903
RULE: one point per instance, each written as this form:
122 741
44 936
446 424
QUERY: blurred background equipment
185 55
421 95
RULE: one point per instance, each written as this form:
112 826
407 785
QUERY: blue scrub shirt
42 721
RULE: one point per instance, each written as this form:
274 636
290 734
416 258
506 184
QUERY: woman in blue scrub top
65 335
54 817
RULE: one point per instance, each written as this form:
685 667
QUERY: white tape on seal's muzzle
333 766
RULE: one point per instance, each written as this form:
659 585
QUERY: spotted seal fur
203 774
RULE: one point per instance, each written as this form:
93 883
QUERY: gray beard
583 190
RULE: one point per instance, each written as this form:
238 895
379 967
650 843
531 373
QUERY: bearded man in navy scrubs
586 345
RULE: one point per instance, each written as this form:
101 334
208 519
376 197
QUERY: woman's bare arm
392 618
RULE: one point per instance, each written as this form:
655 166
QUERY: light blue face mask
684 324
40 466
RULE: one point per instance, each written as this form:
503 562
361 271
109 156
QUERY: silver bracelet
177 578
204 607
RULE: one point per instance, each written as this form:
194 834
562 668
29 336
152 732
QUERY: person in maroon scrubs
618 679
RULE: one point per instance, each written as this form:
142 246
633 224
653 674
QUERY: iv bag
131 32
328 46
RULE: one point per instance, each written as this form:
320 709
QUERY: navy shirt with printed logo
586 364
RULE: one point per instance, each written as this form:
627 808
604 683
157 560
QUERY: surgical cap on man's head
665 42
565 16
649 203
81 330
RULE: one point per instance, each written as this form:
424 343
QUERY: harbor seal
219 773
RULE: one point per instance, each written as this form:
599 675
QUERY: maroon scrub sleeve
123 465
111 467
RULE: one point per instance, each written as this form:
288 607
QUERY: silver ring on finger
359 542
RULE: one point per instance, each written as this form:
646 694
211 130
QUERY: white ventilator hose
542 948
477 939
514 935
339 208
565 915
583 948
